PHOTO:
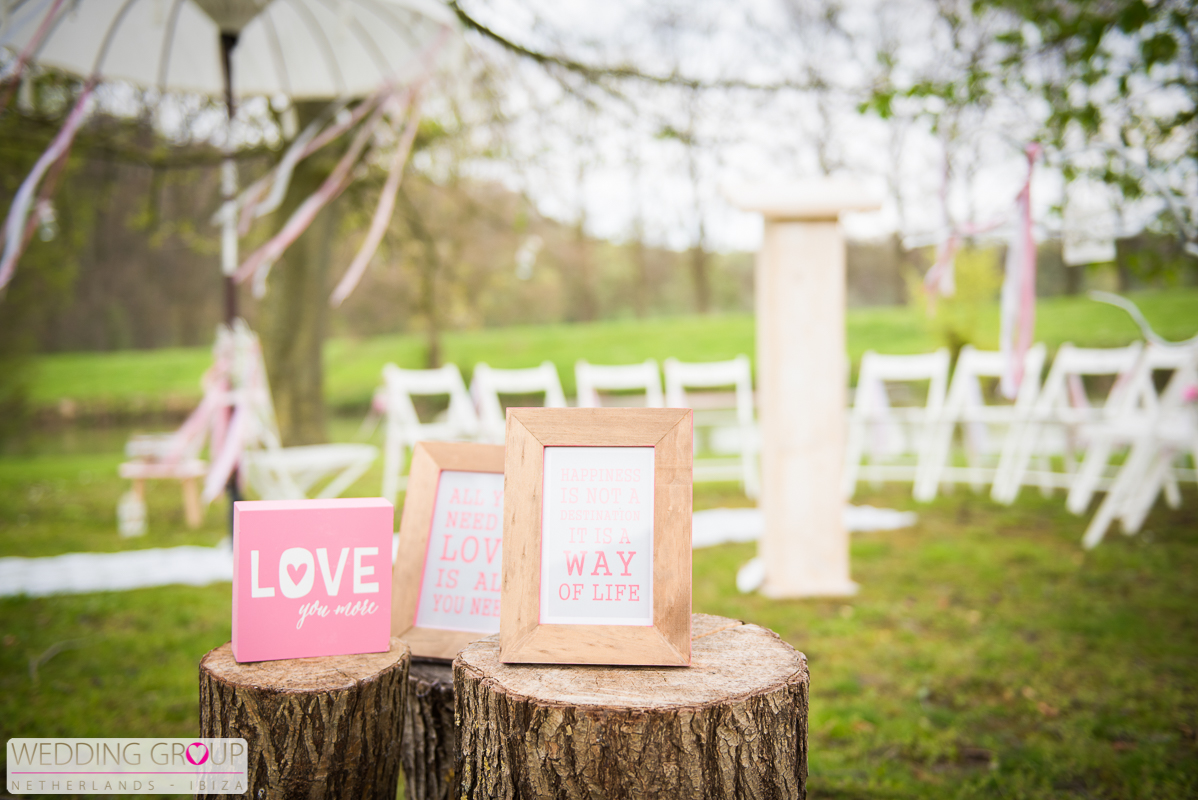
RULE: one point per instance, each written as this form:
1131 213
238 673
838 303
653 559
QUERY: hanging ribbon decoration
940 280
310 141
1018 309
16 231
19 65
386 206
260 261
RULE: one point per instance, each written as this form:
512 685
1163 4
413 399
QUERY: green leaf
1133 16
1158 49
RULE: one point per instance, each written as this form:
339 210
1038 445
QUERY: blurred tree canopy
1110 87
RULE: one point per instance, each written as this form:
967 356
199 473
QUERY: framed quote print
597 528
447 572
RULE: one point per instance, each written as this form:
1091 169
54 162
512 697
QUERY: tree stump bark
428 732
732 725
317 728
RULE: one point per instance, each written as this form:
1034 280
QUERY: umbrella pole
228 41
229 230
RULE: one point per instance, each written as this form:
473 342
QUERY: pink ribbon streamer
228 458
334 185
260 262
1018 312
30 48
382 213
14 226
211 410
940 280
252 203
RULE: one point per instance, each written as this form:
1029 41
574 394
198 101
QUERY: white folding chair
728 433
886 434
591 379
489 383
1056 424
1158 433
988 430
275 472
403 425
1129 417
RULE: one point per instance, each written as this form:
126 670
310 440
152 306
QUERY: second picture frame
446 583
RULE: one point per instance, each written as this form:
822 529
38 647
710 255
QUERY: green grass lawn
986 655
129 380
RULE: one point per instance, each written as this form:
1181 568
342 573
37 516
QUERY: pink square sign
311 578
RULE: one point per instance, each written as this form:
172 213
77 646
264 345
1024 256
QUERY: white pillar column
802 377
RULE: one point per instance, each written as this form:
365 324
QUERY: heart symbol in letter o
296 561
197 753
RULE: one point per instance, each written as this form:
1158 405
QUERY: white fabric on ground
78 573
720 525
856 518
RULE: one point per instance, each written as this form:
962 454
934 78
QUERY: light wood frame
522 636
429 459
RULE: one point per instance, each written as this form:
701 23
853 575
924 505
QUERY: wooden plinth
317 728
732 725
428 732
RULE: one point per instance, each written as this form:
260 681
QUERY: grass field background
129 380
986 655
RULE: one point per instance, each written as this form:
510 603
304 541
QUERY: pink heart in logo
296 572
200 751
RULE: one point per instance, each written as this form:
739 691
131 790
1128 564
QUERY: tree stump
732 725
428 732
317 728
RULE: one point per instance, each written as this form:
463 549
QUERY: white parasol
303 49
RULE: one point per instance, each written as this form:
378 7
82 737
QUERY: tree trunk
733 725
428 732
430 269
293 314
640 259
316 727
700 274
586 306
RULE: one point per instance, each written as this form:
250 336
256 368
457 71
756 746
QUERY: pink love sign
311 578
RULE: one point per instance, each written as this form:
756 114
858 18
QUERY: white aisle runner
79 573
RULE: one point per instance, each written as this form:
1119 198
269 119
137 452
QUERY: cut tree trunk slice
428 732
326 727
732 725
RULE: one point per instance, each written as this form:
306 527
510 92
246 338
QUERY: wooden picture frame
429 461
524 636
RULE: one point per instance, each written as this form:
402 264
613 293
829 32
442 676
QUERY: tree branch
597 74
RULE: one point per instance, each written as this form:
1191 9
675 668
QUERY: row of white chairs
1055 435
478 414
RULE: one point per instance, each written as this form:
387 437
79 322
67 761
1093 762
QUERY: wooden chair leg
191 503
